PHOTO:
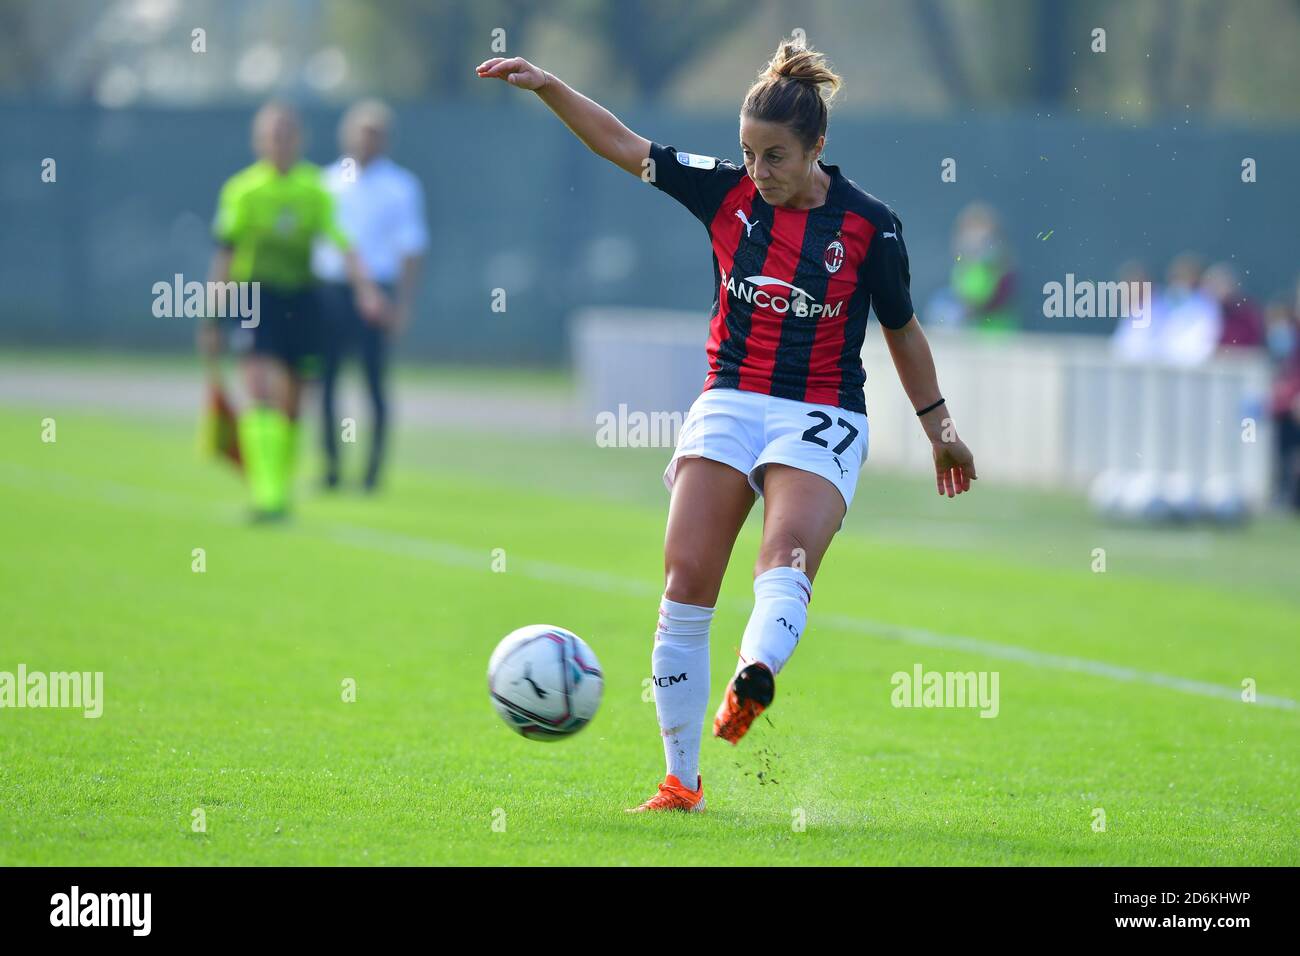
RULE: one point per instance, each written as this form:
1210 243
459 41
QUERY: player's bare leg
710 502
801 513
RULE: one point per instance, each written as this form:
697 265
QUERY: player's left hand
954 467
373 304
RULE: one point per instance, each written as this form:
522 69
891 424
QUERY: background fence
516 203
1040 410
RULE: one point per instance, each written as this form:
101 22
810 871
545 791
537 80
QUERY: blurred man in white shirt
1180 325
380 208
1193 322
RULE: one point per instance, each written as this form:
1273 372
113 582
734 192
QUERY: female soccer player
267 217
800 254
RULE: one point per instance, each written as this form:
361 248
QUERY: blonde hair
795 89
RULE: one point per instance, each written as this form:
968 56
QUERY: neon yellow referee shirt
269 220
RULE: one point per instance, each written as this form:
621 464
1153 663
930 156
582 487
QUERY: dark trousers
346 332
1287 459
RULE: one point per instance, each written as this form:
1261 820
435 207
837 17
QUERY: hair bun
795 61
795 88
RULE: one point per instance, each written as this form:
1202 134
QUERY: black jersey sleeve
888 275
699 183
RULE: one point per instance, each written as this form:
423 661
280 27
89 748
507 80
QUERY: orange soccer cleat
674 795
747 696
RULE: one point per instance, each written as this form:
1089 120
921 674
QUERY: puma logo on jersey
889 235
843 471
749 226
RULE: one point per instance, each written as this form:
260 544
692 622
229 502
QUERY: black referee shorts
288 329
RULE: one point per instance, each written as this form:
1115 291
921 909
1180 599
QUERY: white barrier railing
1047 410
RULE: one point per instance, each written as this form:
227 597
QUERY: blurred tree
414 47
652 40
1053 40
30 36
19 61
935 25
1229 58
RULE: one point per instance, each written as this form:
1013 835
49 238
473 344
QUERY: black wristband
929 408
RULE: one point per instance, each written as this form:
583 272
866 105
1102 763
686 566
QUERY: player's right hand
514 70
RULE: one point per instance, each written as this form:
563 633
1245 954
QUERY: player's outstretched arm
954 465
596 126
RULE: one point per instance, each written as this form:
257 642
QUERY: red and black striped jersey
792 287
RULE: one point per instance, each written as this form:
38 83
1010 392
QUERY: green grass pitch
223 689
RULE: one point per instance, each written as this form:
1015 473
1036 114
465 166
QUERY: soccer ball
545 682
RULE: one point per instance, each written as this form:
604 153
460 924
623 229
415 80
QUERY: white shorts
749 431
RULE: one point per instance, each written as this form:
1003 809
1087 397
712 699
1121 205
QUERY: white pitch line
568 576
917 635
386 542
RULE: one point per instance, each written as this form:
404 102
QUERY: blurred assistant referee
267 218
381 210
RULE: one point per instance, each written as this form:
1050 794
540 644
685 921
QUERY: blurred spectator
1189 330
980 289
1136 338
1243 320
1281 335
381 209
1284 346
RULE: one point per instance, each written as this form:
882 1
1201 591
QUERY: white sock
681 683
780 614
